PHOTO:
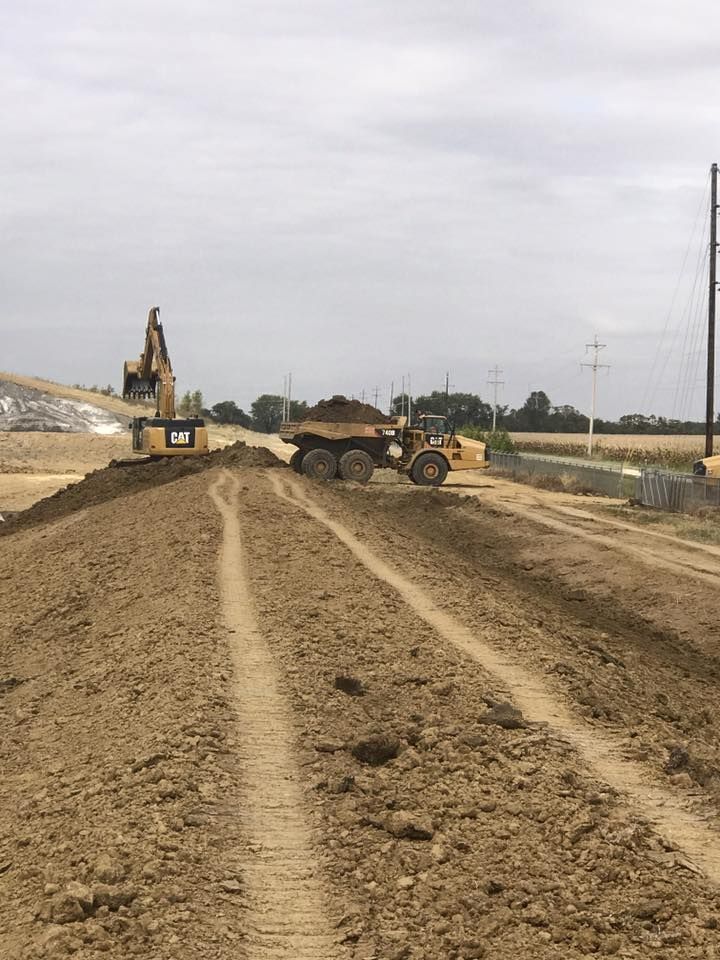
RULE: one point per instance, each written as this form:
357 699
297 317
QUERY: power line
653 381
495 383
594 366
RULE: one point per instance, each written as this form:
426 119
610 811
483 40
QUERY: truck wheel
319 465
429 470
356 465
296 461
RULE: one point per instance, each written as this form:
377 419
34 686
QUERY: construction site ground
249 716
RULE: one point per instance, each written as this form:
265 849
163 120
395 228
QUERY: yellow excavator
151 377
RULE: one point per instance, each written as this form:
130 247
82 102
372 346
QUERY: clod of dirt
350 685
113 898
376 749
678 760
339 409
409 826
646 909
108 870
120 480
504 715
70 905
231 886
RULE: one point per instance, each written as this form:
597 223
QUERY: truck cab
435 429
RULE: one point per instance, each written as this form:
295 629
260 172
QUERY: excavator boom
151 376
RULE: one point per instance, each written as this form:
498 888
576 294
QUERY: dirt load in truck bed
339 409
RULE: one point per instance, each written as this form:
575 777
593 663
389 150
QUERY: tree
298 409
566 419
227 411
185 403
266 413
196 403
461 409
534 413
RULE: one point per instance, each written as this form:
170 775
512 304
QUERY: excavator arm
152 375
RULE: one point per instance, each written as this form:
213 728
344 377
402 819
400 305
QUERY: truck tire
429 470
319 465
356 465
296 461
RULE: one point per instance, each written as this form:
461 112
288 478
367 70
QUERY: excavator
151 377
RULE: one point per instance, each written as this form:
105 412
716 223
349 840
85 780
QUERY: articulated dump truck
426 451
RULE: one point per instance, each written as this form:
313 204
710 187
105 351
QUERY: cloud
351 190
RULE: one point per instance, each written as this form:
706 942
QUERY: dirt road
250 716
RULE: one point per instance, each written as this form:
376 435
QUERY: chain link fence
595 479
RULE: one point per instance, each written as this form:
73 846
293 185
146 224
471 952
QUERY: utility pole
710 397
594 366
376 394
289 394
284 399
495 382
447 385
392 390
402 398
362 395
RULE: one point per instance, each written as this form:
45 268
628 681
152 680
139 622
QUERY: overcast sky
355 190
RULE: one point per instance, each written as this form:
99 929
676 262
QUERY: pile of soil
24 408
115 838
121 479
339 409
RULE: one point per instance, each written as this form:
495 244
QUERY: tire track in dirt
695 547
686 561
287 919
537 702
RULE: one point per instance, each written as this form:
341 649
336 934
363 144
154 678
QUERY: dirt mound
339 409
121 479
28 409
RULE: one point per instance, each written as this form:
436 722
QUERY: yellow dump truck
426 451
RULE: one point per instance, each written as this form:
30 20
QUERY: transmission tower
594 366
495 382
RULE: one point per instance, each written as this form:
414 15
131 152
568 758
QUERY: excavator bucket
134 386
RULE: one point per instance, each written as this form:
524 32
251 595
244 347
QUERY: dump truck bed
291 431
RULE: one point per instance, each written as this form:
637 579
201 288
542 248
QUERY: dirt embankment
122 480
454 828
24 408
634 649
443 824
119 800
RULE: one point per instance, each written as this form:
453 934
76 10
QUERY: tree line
539 415
464 410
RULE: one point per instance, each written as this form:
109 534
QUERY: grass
703 526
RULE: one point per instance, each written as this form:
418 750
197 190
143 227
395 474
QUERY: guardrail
678 492
661 489
608 481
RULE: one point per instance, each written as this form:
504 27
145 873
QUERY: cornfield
670 451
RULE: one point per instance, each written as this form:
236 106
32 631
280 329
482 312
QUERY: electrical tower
495 382
594 366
